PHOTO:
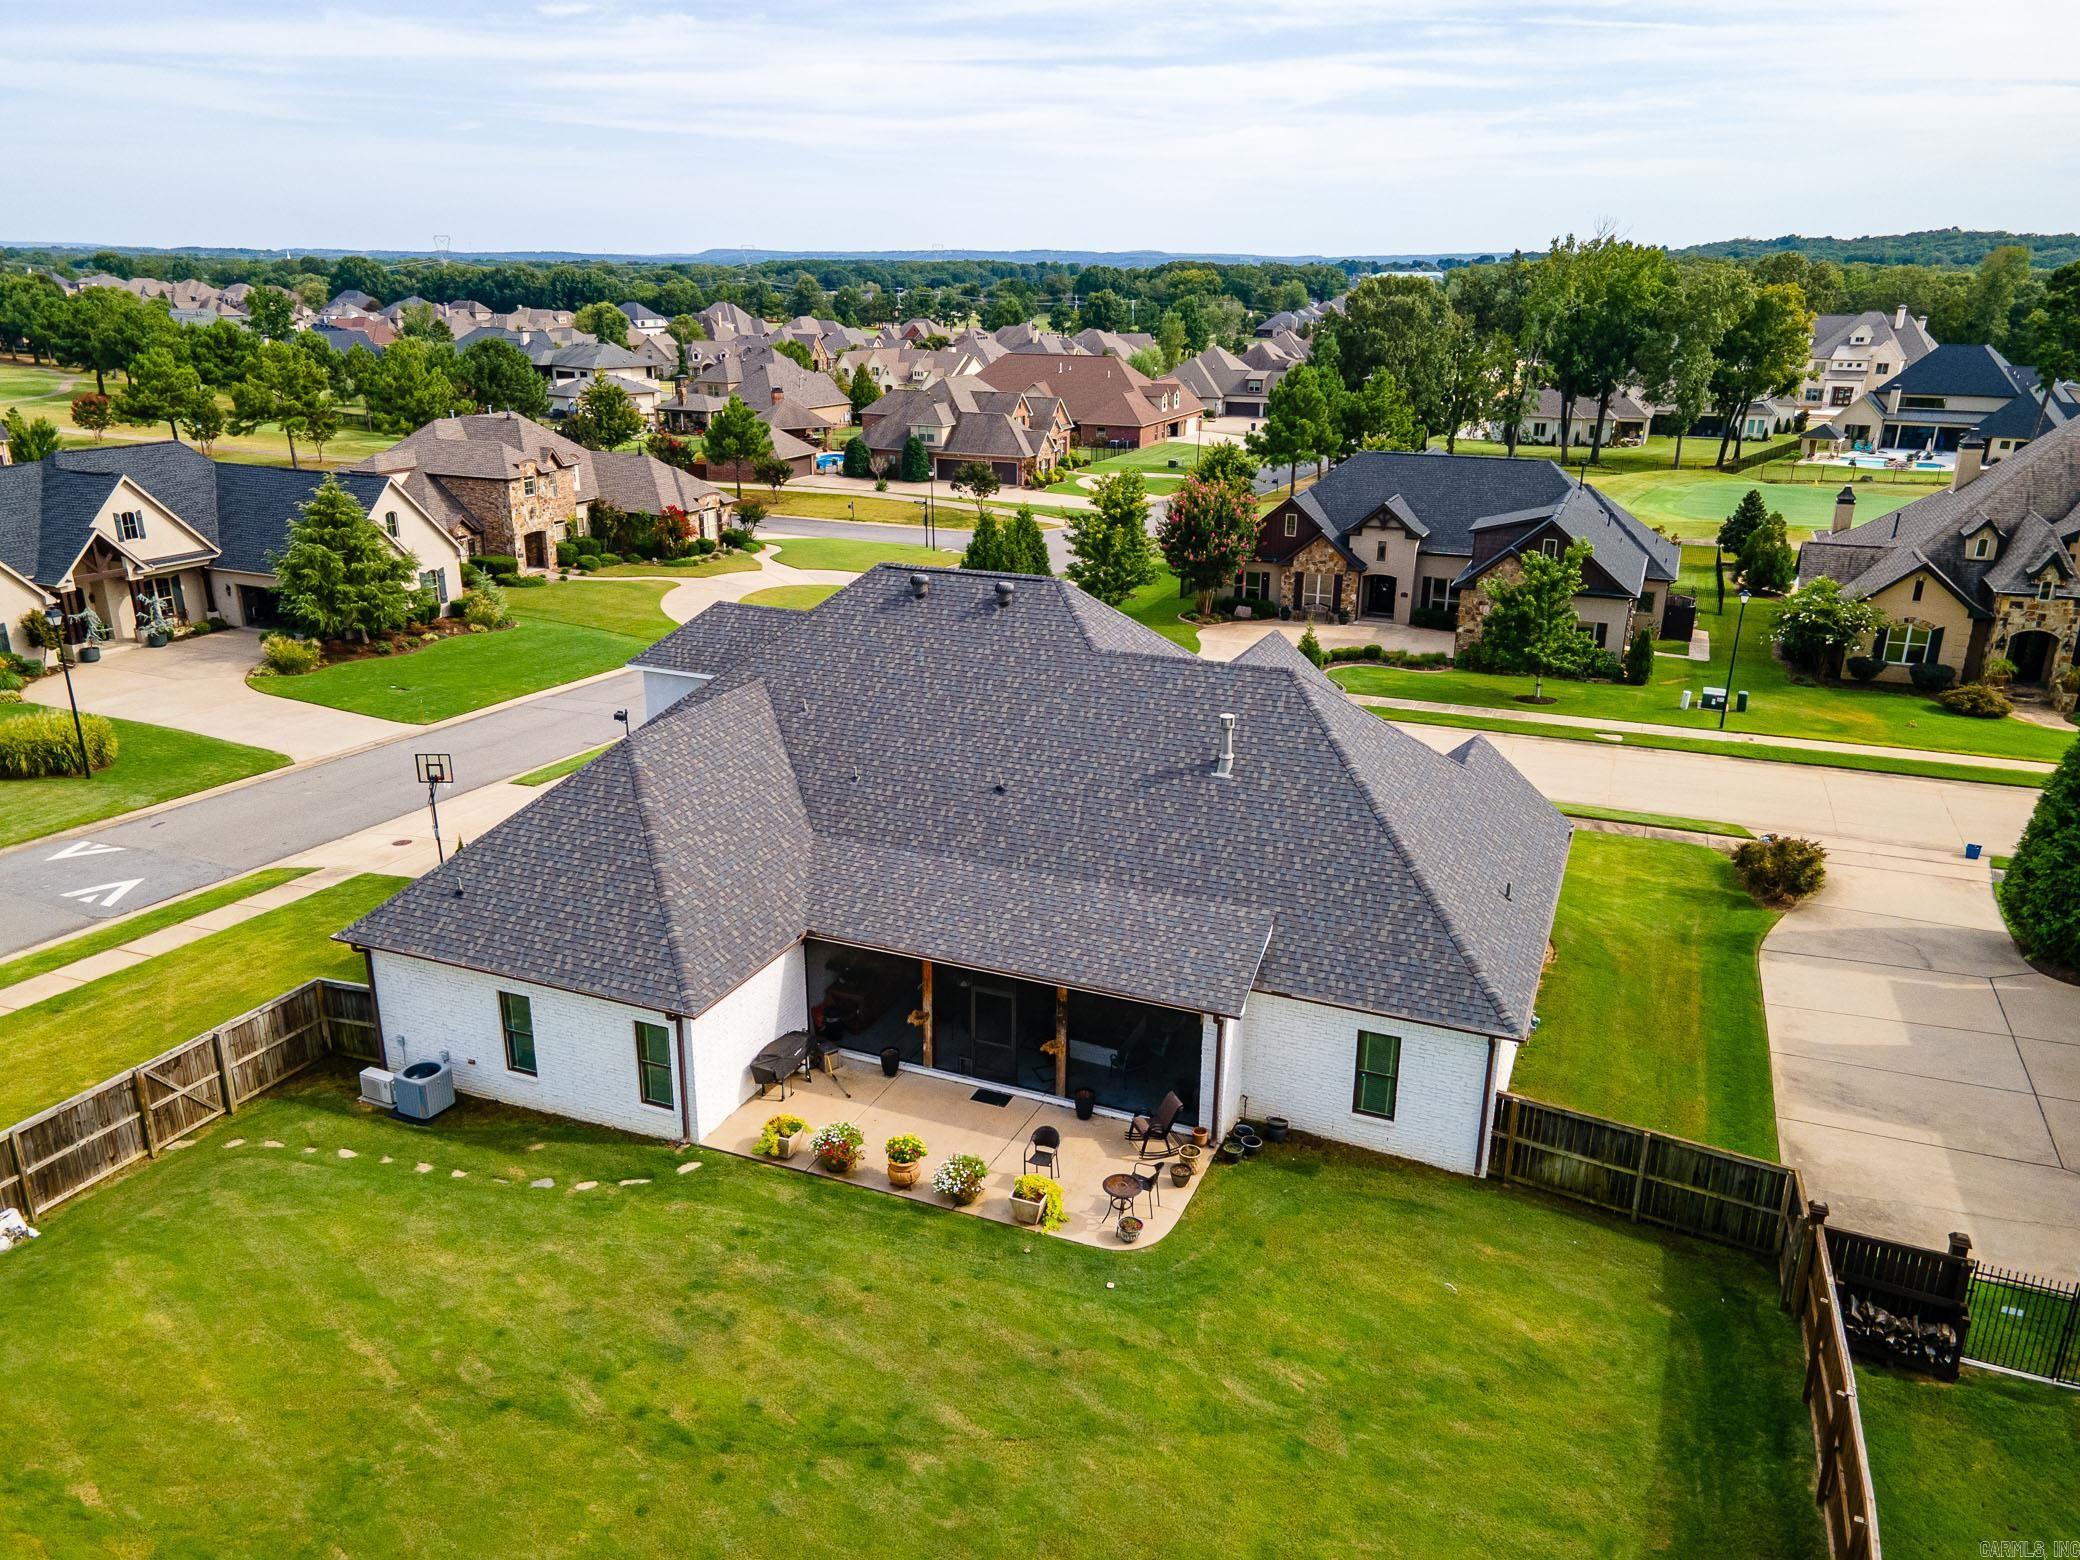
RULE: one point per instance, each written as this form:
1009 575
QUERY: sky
1215 126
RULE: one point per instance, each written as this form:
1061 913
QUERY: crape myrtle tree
1210 529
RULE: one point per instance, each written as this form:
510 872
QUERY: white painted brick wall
722 1041
585 1048
1299 1060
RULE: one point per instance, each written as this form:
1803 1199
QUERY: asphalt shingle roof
1025 788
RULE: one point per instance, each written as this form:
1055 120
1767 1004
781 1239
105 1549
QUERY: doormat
990 1097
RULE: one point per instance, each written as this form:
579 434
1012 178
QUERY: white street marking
84 848
102 894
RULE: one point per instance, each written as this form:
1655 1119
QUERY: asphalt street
54 886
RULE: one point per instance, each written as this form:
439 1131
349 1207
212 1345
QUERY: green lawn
678 568
1160 607
1988 1459
1691 504
1155 464
113 934
562 767
1816 758
1779 706
1652 1011
842 552
881 509
745 1361
795 596
565 631
153 764
1655 820
54 1048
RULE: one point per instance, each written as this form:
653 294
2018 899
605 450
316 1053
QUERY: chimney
679 386
777 396
919 586
1005 591
1224 766
1892 401
1844 509
1971 460
1899 318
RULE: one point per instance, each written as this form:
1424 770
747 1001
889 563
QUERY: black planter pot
1086 1103
891 1061
1275 1129
1250 1144
1231 1150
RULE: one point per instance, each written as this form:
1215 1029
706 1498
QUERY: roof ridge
650 834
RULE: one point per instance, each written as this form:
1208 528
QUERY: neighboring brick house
1990 566
1386 535
1110 403
1022 437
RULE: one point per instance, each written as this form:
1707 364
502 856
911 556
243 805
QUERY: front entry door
993 1021
536 546
1379 595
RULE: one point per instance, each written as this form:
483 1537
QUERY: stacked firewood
1899 1339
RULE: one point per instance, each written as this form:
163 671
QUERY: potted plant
905 1153
1188 1156
776 1138
1037 1199
1202 1137
837 1147
1086 1102
1129 1228
960 1178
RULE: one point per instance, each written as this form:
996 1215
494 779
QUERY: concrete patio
945 1113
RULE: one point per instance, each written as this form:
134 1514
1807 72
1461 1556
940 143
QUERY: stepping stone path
689 1167
270 1143
310 1151
348 1153
544 1181
386 1159
183 1143
421 1168
236 1143
641 1180
585 1186
456 1175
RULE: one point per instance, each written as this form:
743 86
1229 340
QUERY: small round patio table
1122 1190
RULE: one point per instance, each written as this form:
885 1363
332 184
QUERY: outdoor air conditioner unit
378 1087
424 1090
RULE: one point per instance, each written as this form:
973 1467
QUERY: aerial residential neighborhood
744 814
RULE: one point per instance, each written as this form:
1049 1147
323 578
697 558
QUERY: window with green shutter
1379 1075
516 1018
654 1064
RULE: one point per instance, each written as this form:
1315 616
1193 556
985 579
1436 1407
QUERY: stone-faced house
1385 535
1020 436
1110 403
1990 566
1064 913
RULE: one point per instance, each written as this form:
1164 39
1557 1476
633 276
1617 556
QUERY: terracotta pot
905 1175
1201 1136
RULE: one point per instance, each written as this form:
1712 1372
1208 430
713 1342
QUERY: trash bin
1740 702
1971 852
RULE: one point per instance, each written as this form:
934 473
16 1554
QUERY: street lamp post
1732 659
54 615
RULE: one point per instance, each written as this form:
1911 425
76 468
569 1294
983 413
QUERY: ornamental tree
1768 562
859 457
93 412
917 460
1210 530
603 322
736 437
1747 515
2038 893
161 389
1024 547
986 548
340 576
1531 624
978 479
862 392
1817 624
29 441
1110 552
606 417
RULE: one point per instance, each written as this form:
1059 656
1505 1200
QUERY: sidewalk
690 597
1757 739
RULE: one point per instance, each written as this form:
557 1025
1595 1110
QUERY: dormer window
129 526
1982 546
2044 588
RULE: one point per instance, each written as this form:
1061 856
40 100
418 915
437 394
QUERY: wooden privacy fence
1648 1177
1730 1198
82 1141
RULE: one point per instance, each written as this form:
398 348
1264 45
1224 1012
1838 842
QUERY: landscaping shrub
1603 666
9 683
605 560
426 606
526 582
287 657
498 565
859 460
1780 869
1311 647
2069 680
749 514
1863 668
1639 658
736 537
2037 894
703 546
1998 671
1433 617
566 555
10 696
1375 652
485 607
35 747
36 632
1932 676
1980 700
20 666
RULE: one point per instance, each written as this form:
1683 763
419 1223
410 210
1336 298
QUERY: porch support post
1061 1039
927 1006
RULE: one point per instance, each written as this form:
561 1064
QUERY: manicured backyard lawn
740 1361
114 934
54 1048
842 552
1691 504
1652 1010
1990 1459
1779 706
565 631
153 764
799 597
1160 607
688 568
953 510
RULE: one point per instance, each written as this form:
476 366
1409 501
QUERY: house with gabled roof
1401 537
1988 567
1021 436
1110 403
122 535
1931 407
1853 354
1110 891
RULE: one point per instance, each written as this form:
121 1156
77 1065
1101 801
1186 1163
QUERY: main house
1017 837
1990 566
1387 534
1853 354
127 535
503 485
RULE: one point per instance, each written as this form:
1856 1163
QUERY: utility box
378 1086
424 1090
1740 702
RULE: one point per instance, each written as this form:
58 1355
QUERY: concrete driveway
1927 1080
200 685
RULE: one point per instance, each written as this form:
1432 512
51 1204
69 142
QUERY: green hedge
38 746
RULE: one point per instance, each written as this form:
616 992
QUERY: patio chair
1044 1152
1157 1130
1149 1183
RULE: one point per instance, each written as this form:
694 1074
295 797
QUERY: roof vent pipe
1005 591
1224 767
919 586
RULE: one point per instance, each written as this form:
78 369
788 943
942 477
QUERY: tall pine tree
340 576
2041 893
